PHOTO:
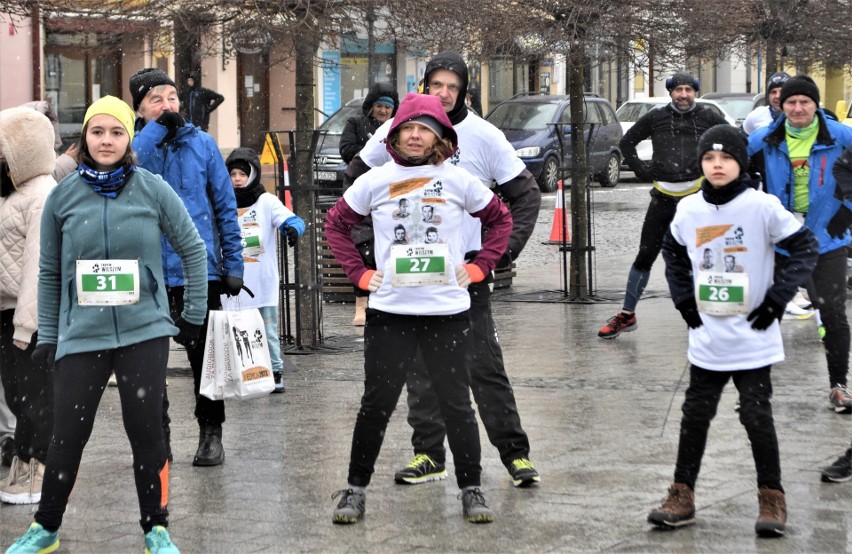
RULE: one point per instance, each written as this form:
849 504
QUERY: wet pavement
602 417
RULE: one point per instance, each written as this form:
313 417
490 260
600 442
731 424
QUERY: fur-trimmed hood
26 142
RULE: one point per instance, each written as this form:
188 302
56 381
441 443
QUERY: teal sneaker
158 541
37 540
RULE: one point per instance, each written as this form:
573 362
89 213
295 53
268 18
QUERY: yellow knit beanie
116 107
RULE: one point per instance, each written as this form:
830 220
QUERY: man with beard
674 131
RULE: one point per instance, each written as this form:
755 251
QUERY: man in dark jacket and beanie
189 160
487 155
199 102
674 131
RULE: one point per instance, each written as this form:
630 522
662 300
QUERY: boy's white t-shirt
259 225
453 193
482 150
740 235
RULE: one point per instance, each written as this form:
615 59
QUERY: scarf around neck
803 133
723 195
106 183
247 196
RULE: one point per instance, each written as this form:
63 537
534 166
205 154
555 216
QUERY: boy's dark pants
699 408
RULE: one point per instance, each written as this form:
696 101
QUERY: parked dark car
328 164
530 123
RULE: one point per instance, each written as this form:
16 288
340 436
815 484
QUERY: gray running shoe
474 507
351 507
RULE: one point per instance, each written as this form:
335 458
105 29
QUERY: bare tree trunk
578 279
771 56
304 201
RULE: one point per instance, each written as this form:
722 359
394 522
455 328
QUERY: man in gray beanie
189 160
795 155
764 115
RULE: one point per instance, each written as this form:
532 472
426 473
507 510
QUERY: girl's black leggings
79 383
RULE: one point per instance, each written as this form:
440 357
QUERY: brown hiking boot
677 510
773 513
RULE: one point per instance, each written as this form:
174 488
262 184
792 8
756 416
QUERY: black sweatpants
79 381
658 217
827 290
28 391
489 383
391 342
699 408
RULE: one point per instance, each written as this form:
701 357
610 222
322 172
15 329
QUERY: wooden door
253 97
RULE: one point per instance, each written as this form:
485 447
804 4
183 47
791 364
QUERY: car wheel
549 177
612 173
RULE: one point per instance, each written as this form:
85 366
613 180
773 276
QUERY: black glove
470 255
171 121
232 285
44 356
689 312
187 332
644 174
763 316
504 261
292 236
840 222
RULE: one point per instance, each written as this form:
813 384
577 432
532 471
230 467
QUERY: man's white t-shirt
453 193
741 234
259 225
757 118
483 150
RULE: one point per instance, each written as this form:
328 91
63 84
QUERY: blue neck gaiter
106 183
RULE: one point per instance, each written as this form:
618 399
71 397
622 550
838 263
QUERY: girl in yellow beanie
107 284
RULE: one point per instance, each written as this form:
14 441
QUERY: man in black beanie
144 80
674 131
795 155
189 160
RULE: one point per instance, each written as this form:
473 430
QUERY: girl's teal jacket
79 224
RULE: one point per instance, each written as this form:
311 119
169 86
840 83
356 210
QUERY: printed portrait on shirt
400 235
403 209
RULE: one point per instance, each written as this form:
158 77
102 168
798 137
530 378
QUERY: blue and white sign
331 82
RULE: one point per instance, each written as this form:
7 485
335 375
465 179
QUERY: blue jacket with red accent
824 198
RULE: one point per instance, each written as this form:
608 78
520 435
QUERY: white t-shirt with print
453 193
259 225
740 235
483 150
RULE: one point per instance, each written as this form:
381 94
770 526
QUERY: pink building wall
16 62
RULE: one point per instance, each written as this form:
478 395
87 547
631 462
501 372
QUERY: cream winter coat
26 143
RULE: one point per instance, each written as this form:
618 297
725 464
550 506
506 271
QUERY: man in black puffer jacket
674 131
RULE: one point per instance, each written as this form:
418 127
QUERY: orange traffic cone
559 219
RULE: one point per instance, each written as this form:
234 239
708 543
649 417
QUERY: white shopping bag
213 365
248 373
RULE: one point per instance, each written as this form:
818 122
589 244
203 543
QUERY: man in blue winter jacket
796 154
189 160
